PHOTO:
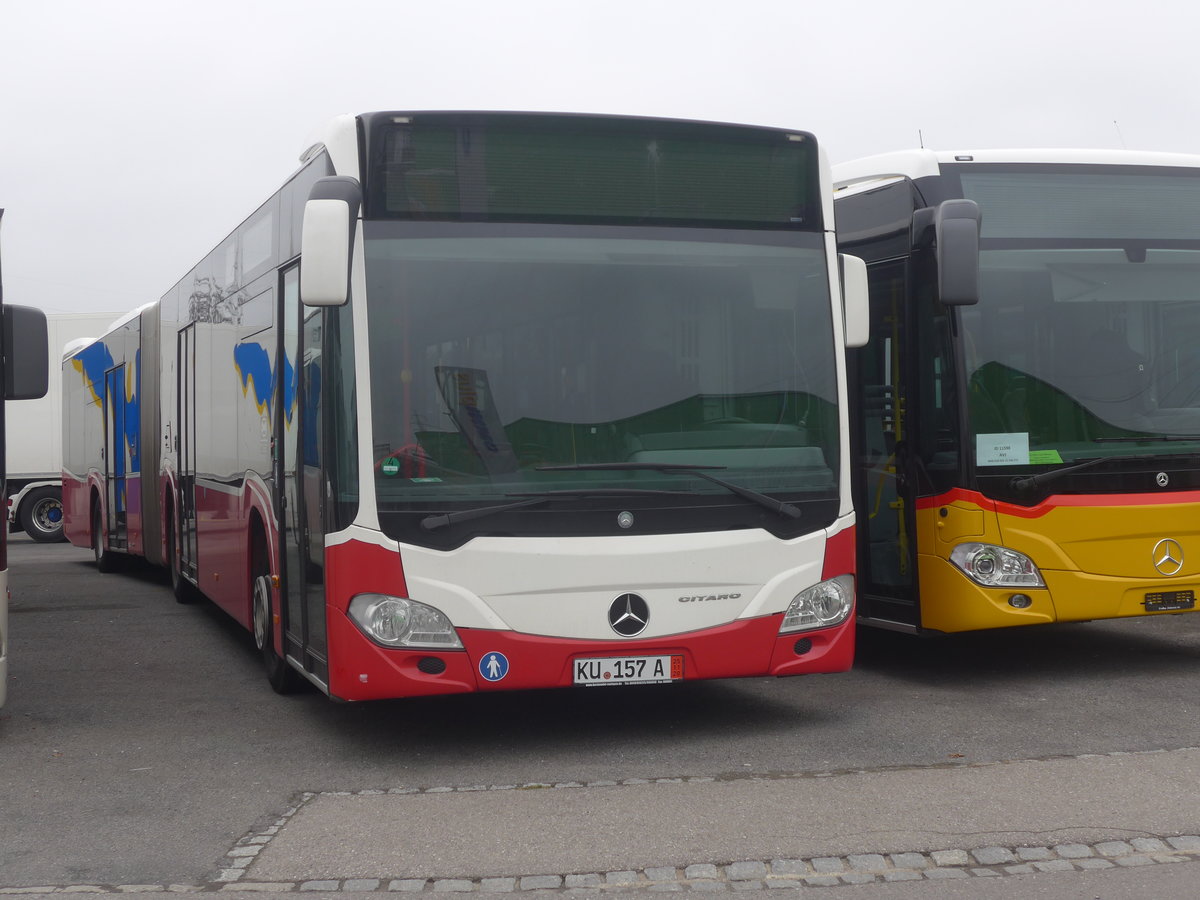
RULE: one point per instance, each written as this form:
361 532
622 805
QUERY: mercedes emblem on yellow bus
1168 556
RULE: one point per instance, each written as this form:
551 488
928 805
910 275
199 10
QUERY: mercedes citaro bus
484 401
1027 426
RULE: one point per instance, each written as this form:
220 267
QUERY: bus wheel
280 675
105 561
42 515
182 588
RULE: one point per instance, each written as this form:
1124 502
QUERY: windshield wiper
777 506
441 520
1042 478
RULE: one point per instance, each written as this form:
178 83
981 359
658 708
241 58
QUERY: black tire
280 675
42 515
184 590
105 560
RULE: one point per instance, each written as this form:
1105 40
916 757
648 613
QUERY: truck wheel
42 515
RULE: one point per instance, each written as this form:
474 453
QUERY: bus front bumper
505 660
951 602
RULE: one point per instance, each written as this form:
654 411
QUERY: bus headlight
994 566
398 622
820 606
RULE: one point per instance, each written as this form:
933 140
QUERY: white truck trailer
34 453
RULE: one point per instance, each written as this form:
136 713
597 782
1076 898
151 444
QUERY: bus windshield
1086 341
501 351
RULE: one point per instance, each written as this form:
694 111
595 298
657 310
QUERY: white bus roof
74 346
131 315
922 163
339 137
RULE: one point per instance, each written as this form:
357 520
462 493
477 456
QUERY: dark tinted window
876 224
580 169
1085 202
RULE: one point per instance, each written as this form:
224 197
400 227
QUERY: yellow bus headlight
994 566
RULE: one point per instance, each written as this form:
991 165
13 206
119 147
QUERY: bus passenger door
883 496
299 473
115 469
187 452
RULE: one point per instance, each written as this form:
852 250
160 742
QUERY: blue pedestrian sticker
494 665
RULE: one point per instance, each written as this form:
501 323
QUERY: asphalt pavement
142 752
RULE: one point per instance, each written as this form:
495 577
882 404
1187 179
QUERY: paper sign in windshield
1044 457
1002 449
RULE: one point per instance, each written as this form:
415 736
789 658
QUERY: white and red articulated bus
492 401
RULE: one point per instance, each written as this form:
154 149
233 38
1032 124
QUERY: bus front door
299 472
883 495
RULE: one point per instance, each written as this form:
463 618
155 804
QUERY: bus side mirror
327 241
26 353
953 228
856 309
956 227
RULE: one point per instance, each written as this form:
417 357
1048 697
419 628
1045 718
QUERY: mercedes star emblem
1168 557
629 615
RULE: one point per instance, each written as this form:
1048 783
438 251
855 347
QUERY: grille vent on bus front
431 665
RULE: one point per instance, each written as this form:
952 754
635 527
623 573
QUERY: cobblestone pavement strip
236 871
741 875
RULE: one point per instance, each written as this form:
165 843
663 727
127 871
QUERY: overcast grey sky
135 134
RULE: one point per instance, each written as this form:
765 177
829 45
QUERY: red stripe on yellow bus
1056 501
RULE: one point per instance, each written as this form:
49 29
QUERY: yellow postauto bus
1027 440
